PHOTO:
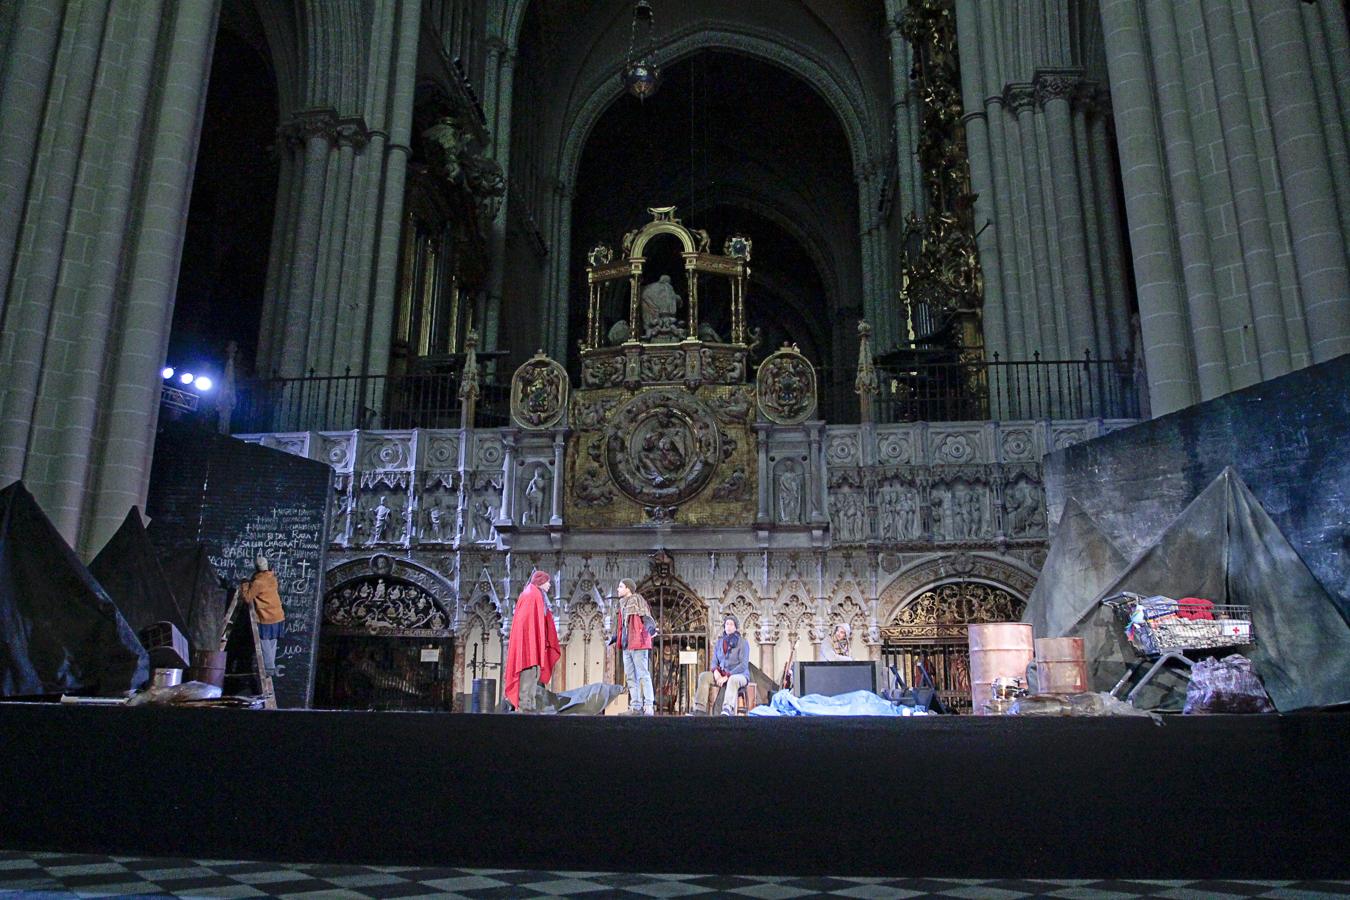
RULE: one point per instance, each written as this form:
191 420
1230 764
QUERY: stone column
313 130
133 410
1188 204
1309 193
1163 317
766 485
1104 171
31 298
24 79
403 83
75 409
1092 212
1020 98
1258 254
559 445
502 144
994 319
1053 90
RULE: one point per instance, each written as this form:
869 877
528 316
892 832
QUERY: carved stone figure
708 334
957 525
436 522
732 487
854 517
939 510
659 303
908 529
1023 508
619 332
888 514
338 527
484 514
535 492
790 497
379 528
974 503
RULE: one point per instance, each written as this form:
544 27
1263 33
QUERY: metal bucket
162 678
997 650
484 695
1059 667
208 666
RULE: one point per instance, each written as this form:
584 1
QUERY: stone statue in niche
888 514
437 524
790 496
659 303
957 526
907 514
940 509
855 516
338 527
535 492
1023 507
484 514
974 512
380 521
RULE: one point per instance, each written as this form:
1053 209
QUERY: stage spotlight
202 383
186 378
167 373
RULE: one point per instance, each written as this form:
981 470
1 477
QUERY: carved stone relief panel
841 448
488 450
339 450
1023 507
956 446
786 387
1062 436
960 510
485 499
438 504
1018 445
296 443
848 516
539 393
899 515
895 445
385 451
383 509
439 449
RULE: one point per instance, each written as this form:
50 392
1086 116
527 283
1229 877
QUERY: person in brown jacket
261 591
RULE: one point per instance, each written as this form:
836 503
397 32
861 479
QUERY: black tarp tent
196 583
128 569
1225 548
59 630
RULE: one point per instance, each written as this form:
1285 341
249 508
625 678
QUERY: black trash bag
1229 685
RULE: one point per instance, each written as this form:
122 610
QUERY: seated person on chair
731 669
839 645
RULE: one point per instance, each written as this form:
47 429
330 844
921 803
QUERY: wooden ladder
264 680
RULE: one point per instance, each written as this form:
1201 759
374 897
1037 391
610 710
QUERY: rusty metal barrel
1059 667
997 650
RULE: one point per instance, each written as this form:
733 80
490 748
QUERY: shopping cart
1162 630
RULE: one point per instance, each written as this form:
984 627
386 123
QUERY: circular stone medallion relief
662 448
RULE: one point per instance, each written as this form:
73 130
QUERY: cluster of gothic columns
328 303
101 107
1233 121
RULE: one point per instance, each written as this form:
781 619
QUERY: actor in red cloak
533 643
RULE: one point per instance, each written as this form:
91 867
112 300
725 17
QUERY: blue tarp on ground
854 703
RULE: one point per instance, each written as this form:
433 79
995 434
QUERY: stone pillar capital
1019 96
1057 84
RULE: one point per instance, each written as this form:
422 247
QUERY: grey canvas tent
1082 563
59 630
1224 547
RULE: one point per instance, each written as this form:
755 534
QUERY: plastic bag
1229 685
1085 704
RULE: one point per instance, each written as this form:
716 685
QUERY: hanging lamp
640 77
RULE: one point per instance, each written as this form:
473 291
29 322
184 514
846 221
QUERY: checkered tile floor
70 875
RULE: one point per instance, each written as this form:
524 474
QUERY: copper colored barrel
997 650
1060 668
208 666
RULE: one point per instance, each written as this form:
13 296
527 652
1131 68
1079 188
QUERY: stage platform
1205 797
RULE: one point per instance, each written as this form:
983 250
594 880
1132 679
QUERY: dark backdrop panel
241 500
834 678
1202 797
1289 440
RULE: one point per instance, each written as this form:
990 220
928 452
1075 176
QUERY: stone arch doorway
682 624
929 607
386 640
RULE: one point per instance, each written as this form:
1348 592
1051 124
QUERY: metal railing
347 402
995 389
